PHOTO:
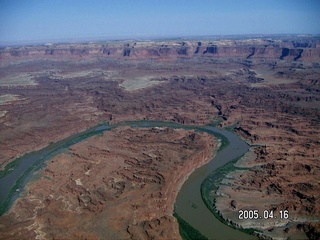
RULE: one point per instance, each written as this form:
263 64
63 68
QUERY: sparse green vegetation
209 188
187 232
47 153
9 167
8 200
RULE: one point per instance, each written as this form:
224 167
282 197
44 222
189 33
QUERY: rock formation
267 88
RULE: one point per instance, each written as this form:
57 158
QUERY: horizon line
94 39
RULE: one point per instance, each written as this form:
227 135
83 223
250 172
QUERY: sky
55 20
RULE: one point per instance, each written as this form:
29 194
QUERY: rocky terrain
299 48
120 185
268 88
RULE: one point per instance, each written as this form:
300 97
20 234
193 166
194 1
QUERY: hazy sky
33 20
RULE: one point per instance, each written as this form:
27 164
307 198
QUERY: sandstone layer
120 185
271 97
290 48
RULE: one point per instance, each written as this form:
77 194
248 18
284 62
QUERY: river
189 204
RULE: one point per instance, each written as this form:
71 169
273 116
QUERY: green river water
189 204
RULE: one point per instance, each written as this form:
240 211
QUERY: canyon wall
250 50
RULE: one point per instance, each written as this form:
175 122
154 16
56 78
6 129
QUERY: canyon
266 89
306 49
117 185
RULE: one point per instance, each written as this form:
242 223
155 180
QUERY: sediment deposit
267 88
119 185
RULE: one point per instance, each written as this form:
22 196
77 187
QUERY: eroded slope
119 185
273 101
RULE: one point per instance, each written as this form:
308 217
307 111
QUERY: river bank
224 142
15 174
209 193
129 177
